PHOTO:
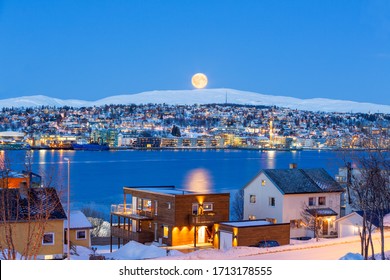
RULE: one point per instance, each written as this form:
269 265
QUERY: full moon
199 80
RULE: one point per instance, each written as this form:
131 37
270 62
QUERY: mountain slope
205 96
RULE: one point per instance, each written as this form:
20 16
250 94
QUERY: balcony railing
122 208
128 211
204 219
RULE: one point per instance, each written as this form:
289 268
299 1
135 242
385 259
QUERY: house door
325 227
201 234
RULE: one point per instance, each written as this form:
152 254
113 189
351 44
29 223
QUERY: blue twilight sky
93 49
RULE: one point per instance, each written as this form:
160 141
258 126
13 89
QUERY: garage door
225 240
347 230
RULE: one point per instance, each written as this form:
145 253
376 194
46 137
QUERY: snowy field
324 249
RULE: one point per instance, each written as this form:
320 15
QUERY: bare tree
96 218
370 192
311 221
238 205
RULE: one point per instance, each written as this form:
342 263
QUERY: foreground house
295 196
31 223
167 215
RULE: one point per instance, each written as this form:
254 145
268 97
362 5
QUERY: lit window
312 201
139 203
263 182
252 217
166 231
271 201
48 239
147 205
208 206
295 223
322 200
81 234
252 198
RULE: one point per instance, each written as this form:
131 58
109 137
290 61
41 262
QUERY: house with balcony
295 196
167 215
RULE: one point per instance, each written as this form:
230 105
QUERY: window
271 220
147 205
139 203
155 207
195 207
166 231
252 217
295 223
271 201
208 206
263 182
341 179
81 234
169 205
312 201
48 239
322 200
252 198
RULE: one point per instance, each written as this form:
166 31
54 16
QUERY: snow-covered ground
131 251
324 249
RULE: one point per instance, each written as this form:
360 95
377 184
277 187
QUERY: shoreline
199 148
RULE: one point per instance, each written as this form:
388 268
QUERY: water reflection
198 180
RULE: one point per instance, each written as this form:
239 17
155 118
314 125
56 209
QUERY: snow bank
352 256
137 251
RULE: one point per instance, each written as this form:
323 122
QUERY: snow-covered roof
247 223
77 220
162 190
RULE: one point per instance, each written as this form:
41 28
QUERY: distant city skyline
94 49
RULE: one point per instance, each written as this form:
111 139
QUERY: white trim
48 233
77 237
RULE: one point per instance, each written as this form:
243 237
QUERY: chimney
293 165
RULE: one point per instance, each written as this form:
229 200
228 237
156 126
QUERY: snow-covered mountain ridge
204 96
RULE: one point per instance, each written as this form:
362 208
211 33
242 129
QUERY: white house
283 195
352 224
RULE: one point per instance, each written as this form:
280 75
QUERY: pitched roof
294 181
78 220
321 212
30 204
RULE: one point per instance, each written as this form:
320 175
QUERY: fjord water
97 178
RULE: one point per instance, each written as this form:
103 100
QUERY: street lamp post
68 224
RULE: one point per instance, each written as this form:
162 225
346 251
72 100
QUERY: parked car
266 244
